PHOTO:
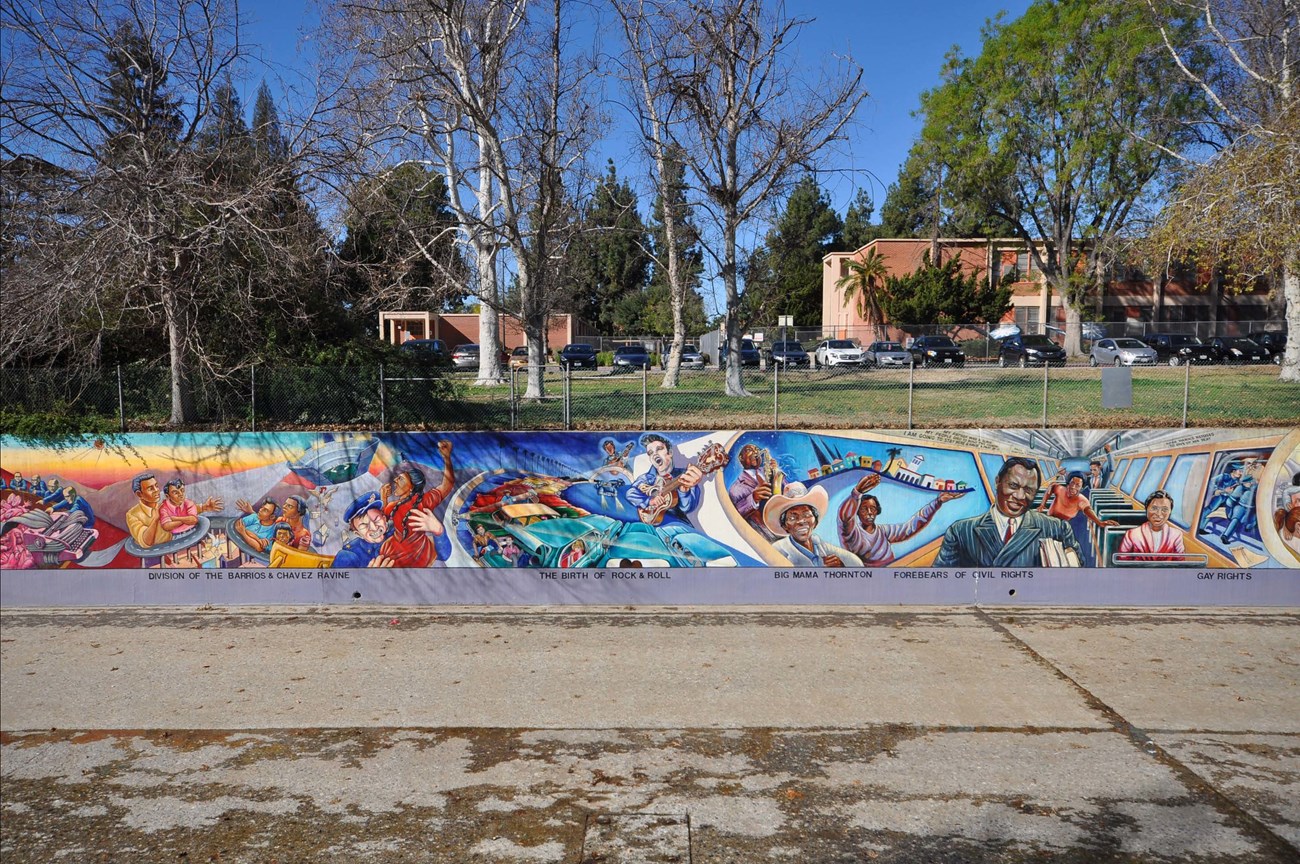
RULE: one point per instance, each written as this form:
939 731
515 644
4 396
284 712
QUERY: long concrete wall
1201 517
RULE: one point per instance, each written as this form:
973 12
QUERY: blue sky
900 47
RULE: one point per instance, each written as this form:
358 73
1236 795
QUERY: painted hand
425 520
867 483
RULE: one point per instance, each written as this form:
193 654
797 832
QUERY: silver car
887 354
465 356
1121 352
691 358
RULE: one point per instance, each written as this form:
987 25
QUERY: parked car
465 356
1121 352
691 358
1177 349
936 351
577 355
749 355
1272 341
519 357
429 350
787 354
1030 350
887 354
1239 349
838 352
629 357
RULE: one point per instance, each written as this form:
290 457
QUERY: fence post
911 372
514 409
1046 366
568 397
121 401
645 380
776 395
1187 386
252 396
383 398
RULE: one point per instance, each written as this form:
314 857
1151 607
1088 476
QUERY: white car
886 354
1122 352
839 352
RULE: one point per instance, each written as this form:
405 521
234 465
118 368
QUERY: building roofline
948 241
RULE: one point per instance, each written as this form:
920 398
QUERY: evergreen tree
224 142
789 269
942 295
140 113
1061 130
267 134
858 230
401 242
908 210
609 260
918 204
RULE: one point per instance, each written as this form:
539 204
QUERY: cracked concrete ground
656 735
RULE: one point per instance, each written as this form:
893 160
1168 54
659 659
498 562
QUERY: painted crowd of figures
674 500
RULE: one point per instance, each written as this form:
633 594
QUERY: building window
1029 319
1022 265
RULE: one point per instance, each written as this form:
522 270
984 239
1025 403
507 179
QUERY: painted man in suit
1008 534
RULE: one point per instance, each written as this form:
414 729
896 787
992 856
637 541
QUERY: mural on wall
626 500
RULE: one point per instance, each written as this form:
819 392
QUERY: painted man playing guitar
664 491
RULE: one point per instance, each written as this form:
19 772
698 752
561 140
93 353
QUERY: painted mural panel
458 517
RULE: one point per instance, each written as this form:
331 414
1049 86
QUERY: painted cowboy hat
794 495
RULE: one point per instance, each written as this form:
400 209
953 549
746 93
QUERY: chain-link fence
975 394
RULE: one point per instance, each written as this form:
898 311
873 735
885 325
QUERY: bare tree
487 92
142 210
738 113
1240 207
654 51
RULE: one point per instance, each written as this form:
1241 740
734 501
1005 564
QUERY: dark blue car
578 355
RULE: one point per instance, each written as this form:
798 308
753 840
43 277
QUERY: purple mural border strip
705 587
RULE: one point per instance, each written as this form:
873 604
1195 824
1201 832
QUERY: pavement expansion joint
1143 740
666 736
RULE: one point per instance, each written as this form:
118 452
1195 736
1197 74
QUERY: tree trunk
1291 291
676 290
1216 292
535 333
735 385
673 362
182 397
489 339
1158 303
489 334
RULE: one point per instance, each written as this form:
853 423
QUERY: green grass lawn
977 396
993 397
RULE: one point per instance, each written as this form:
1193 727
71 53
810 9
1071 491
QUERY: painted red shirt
407 547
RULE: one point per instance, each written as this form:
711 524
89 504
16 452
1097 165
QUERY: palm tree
865 279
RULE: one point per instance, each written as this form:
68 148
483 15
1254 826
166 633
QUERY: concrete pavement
622 735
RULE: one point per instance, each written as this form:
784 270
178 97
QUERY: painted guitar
713 458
